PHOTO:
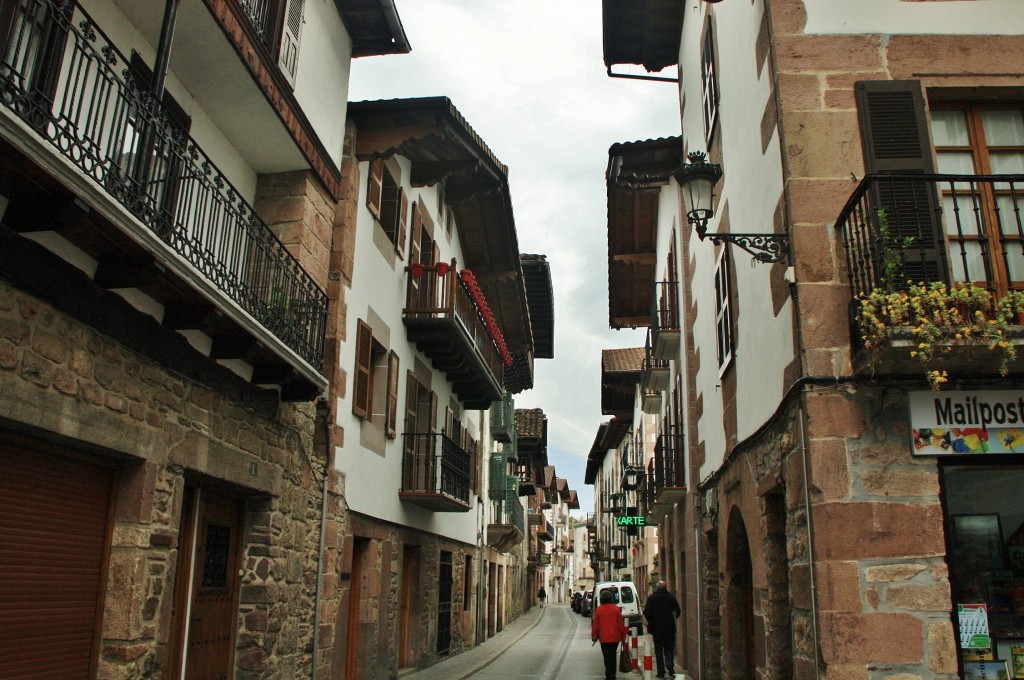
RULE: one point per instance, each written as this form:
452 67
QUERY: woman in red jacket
606 625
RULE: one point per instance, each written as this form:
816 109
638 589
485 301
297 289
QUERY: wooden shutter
894 136
401 222
391 415
364 354
54 518
433 411
288 55
415 243
375 189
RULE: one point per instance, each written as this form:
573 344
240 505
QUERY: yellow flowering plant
940 317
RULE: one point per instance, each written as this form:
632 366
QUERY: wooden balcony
503 420
140 232
933 229
435 473
446 325
507 528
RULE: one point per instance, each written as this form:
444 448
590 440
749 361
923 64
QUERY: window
723 312
375 390
709 85
278 23
387 203
984 236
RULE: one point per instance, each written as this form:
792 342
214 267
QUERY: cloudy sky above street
529 77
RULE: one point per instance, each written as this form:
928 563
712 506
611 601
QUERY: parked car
587 603
577 599
624 594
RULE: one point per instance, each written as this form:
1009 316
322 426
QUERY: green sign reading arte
630 520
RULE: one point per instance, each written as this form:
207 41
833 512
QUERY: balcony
932 229
665 320
655 375
107 191
503 420
527 482
666 476
441 317
508 522
545 531
435 472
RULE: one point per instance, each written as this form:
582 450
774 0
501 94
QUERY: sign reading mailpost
965 423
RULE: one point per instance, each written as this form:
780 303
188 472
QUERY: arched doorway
738 605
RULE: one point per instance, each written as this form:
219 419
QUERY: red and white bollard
648 657
634 652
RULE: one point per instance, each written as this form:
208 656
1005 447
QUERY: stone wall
84 391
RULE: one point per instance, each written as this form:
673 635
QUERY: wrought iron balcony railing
655 373
450 329
665 320
934 228
665 311
435 472
62 76
666 475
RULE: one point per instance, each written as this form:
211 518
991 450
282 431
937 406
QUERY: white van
623 594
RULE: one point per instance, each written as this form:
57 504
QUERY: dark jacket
661 612
607 625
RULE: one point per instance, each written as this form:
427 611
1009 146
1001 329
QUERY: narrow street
557 647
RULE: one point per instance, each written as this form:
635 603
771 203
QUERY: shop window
985 520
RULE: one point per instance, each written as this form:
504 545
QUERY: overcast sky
529 77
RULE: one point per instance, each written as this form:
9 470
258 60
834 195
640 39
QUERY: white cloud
529 76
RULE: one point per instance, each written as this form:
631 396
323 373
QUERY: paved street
553 642
558 647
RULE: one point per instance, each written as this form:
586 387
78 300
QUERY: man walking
661 612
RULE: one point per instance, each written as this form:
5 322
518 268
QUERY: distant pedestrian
661 612
607 626
542 595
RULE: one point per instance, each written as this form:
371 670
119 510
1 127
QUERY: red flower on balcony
442 268
486 315
416 269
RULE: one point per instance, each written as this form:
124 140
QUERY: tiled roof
530 422
630 359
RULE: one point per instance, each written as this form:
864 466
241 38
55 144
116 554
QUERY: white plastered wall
751 186
372 481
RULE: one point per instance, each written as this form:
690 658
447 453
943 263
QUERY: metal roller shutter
53 534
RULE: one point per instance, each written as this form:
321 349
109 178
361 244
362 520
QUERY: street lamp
698 179
631 477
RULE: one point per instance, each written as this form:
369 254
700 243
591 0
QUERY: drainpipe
163 50
810 548
323 433
630 76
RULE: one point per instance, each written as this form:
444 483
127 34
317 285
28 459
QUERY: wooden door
410 581
355 592
211 530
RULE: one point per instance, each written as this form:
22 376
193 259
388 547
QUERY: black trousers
610 650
